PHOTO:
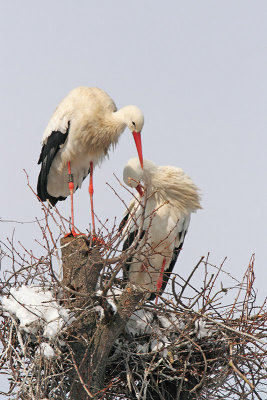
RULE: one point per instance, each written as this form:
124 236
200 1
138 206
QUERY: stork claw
97 241
74 234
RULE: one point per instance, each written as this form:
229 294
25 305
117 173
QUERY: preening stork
78 136
171 198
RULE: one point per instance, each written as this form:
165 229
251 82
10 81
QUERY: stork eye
133 124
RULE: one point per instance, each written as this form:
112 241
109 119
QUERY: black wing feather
123 222
48 153
127 243
167 272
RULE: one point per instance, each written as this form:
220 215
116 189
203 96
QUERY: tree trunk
90 341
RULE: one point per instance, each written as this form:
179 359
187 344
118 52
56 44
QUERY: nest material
190 346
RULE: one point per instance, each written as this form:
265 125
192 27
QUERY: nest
190 346
181 354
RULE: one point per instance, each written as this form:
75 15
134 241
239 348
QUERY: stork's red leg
160 280
71 187
91 191
96 240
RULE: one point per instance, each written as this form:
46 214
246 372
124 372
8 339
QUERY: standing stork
78 136
171 197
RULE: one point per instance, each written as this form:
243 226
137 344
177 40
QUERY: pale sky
197 69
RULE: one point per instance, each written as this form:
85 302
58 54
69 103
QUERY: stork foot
97 241
74 234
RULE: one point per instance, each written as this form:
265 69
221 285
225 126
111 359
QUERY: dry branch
115 344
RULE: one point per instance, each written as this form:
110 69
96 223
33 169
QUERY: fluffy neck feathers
166 183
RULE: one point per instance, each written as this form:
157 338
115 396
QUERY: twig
232 365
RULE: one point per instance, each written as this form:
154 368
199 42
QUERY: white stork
171 198
78 136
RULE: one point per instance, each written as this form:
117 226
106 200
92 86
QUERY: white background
197 69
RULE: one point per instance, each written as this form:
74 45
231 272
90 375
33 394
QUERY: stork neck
113 126
120 116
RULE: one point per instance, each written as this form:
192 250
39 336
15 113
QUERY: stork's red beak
140 190
138 143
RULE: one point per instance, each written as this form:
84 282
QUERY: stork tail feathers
48 153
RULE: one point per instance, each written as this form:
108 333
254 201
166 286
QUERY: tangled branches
208 352
87 333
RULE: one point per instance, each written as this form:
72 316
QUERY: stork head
133 174
133 117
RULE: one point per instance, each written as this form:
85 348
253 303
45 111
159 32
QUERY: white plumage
171 198
78 136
